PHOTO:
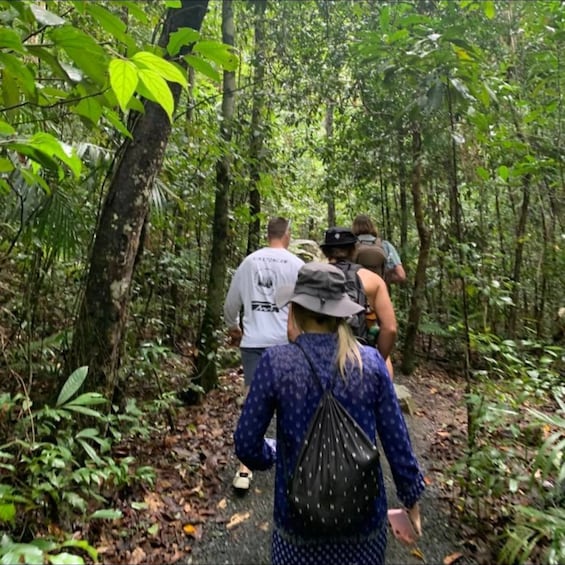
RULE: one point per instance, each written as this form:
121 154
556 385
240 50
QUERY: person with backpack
318 518
365 287
376 254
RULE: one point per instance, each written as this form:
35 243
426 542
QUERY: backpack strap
315 372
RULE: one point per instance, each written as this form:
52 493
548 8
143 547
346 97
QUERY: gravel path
249 541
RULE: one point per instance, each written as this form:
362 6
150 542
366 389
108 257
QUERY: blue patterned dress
283 383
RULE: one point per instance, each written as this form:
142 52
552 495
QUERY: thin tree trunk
208 341
518 255
329 125
418 293
257 128
102 316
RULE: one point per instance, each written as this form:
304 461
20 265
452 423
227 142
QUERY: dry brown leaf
222 504
452 558
428 480
137 557
154 502
237 519
264 526
417 552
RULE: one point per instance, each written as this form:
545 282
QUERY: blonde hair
348 350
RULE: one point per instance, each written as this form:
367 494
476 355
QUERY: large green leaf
156 89
72 385
45 17
52 147
7 513
106 514
123 80
110 23
65 558
169 71
21 73
178 39
88 399
220 53
83 51
9 39
203 67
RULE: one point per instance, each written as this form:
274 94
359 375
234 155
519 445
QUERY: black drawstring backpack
335 481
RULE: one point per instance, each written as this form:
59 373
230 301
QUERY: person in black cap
339 247
285 384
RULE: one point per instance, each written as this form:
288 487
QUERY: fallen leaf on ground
452 558
192 530
237 519
417 552
264 526
427 480
222 504
138 556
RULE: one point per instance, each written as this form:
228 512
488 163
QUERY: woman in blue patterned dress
284 383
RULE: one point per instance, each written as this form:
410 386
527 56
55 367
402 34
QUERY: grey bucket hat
320 288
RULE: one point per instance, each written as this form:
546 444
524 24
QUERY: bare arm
379 300
396 275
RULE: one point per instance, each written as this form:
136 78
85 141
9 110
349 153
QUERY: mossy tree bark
101 322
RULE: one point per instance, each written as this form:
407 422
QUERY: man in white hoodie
253 288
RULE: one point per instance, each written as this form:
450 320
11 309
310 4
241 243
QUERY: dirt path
434 431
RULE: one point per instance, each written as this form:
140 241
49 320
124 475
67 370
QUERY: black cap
338 237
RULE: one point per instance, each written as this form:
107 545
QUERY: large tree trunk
102 315
257 127
418 294
208 342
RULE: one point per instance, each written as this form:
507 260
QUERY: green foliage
508 459
539 532
57 467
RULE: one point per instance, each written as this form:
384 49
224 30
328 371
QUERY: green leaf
9 39
217 52
75 500
72 385
110 23
150 61
45 17
88 432
83 51
7 513
503 172
6 165
123 80
173 3
489 9
21 72
6 128
84 545
157 90
54 148
22 553
91 452
88 399
90 109
83 410
106 514
178 39
203 67
115 121
65 559
133 9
